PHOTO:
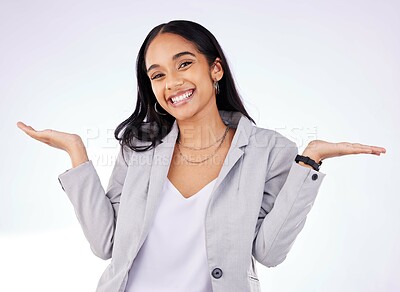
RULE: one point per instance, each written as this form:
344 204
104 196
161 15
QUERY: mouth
181 98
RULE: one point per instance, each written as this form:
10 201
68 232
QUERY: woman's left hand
319 150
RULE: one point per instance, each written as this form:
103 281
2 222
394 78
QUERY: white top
173 257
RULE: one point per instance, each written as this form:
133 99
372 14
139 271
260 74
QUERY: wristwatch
307 160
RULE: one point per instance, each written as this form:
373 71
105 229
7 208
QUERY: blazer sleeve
289 193
96 209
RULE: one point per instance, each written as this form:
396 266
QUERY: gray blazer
258 206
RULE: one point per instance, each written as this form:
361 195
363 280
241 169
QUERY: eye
187 63
156 76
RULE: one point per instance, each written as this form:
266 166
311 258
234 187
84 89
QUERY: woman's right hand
71 143
56 139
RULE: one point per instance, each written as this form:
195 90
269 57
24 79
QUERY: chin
186 114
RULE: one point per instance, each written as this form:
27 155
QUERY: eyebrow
176 56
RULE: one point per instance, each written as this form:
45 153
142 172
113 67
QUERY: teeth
181 97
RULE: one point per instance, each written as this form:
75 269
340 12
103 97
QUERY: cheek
157 90
207 86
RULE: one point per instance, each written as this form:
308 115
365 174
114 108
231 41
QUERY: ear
217 72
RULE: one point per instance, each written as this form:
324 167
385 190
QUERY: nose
172 82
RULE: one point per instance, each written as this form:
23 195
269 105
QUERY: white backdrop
325 70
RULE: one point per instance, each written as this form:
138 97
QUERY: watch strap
307 160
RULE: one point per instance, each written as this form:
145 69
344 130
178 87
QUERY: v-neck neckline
195 194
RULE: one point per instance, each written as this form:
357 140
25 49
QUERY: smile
181 98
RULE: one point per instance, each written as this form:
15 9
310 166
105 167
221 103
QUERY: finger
361 147
41 136
379 152
378 149
27 129
346 148
374 149
349 148
357 148
24 127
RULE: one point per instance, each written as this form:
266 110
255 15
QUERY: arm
95 209
289 192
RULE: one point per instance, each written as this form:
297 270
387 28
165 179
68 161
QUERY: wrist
77 153
75 146
312 155
78 158
308 162
305 165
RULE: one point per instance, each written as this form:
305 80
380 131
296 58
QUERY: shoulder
130 156
262 137
267 146
277 150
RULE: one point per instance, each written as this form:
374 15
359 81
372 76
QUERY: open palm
320 150
56 139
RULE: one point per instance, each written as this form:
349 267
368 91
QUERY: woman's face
180 76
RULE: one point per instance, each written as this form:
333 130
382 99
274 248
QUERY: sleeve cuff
74 175
307 173
307 180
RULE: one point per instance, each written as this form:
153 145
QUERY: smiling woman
216 193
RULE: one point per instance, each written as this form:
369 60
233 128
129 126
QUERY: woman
198 193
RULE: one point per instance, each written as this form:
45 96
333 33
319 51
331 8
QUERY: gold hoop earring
155 109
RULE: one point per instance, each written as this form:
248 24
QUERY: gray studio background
308 69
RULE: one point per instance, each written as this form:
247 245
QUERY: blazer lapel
241 138
158 174
163 156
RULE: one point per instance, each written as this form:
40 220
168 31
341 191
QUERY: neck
201 131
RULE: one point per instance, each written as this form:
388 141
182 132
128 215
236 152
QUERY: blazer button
217 273
314 176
